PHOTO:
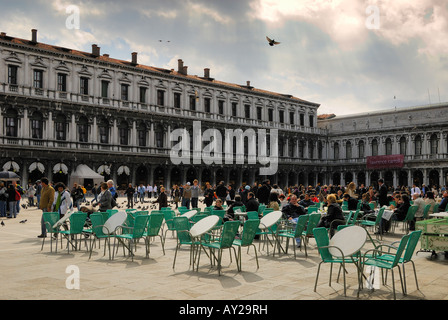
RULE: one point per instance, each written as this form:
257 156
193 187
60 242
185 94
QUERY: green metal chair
312 209
407 220
225 241
373 223
261 208
182 210
253 215
323 244
426 211
313 220
153 230
50 218
111 212
132 234
436 208
265 211
220 214
168 218
247 238
374 258
414 237
77 221
297 232
182 227
98 221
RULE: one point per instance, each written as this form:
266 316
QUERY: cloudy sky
350 56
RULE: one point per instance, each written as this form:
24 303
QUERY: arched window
434 144
103 131
142 132
361 149
123 131
83 129
403 145
418 145
159 136
60 126
348 150
36 124
11 123
336 151
374 147
388 146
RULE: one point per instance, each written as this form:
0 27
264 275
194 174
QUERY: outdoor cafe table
347 243
200 228
189 214
111 224
266 223
63 219
439 215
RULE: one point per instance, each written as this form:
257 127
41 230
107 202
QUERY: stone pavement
29 273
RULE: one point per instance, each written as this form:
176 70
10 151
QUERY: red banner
385 162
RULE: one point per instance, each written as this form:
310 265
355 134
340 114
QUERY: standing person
3 199
45 203
95 192
162 199
416 190
62 201
38 191
195 193
208 195
431 201
104 198
149 189
154 189
30 192
13 196
141 192
186 196
382 193
221 191
263 193
175 194
77 195
130 195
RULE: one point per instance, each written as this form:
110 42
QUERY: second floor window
221 107
270 114
207 105
11 125
160 97
291 117
192 103
104 89
124 92
62 82
281 116
234 107
247 111
143 94
12 75
84 85
38 79
259 113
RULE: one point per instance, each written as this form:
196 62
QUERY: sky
349 56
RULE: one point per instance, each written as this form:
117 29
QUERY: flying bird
271 41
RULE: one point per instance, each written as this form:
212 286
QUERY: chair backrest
219 213
168 216
97 220
436 208
50 218
207 210
77 221
313 220
344 207
198 217
372 205
130 210
249 230
312 209
261 208
400 249
426 211
182 209
322 240
253 215
379 216
229 232
349 217
265 211
355 218
182 225
111 212
301 225
411 212
414 237
154 224
140 224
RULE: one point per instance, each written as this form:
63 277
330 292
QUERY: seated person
365 206
314 198
402 208
218 205
352 203
273 201
306 202
230 214
293 209
334 216
252 203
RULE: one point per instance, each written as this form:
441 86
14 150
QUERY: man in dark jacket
293 209
252 203
263 193
221 191
382 193
352 203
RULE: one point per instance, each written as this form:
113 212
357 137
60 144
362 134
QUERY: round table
439 215
270 219
114 221
204 226
349 240
63 219
189 214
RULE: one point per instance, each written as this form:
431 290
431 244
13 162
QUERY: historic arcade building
60 108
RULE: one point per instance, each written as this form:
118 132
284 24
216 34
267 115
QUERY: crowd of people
293 201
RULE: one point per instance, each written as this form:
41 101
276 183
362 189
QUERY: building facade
61 108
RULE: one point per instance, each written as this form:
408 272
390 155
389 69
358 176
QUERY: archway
141 175
191 175
176 176
417 178
434 179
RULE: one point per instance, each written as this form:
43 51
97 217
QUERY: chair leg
317 276
415 274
